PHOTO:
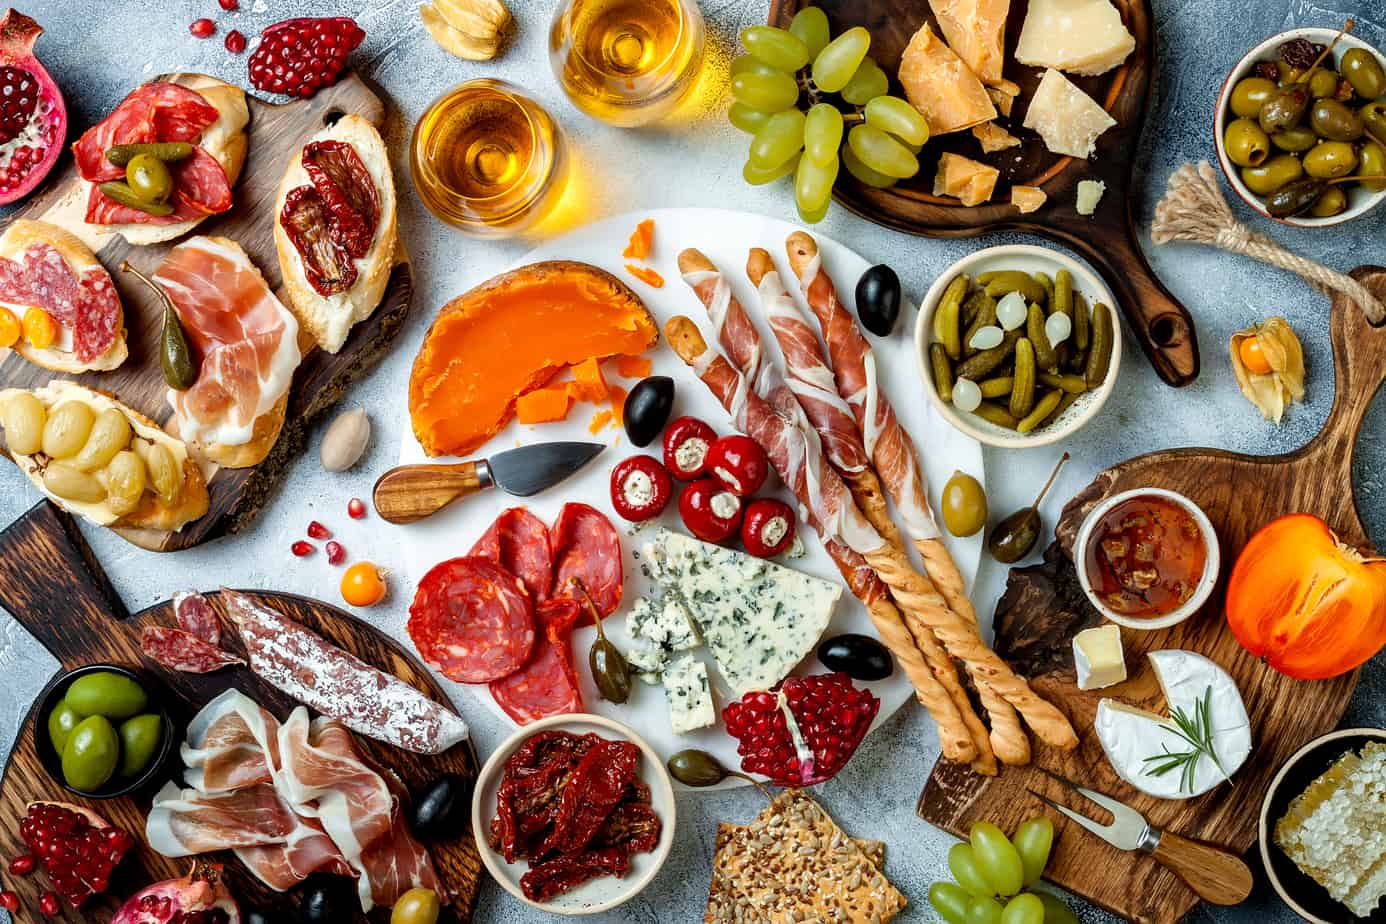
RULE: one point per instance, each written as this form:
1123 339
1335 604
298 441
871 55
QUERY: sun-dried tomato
347 191
327 267
546 746
596 786
1300 52
556 876
632 826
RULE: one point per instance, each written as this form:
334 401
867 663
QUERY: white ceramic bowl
1030 259
596 895
1212 564
1360 201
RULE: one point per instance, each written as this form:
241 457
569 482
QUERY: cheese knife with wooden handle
412 492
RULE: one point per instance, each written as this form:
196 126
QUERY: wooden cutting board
88 623
275 134
1240 494
1108 240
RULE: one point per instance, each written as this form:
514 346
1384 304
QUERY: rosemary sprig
1197 730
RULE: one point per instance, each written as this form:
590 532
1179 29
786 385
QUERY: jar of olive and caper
1303 131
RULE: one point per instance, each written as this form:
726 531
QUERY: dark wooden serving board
275 134
1041 610
1108 240
86 622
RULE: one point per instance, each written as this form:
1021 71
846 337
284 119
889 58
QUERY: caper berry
692 767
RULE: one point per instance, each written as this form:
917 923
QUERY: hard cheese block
941 86
758 619
970 181
1079 36
1066 118
1130 735
976 30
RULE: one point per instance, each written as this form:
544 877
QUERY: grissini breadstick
811 380
789 451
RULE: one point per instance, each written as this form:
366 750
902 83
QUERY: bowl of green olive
100 732
1300 127
1018 345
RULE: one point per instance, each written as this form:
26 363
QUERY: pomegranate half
197 898
33 117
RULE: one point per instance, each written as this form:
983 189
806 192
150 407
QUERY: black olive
647 408
435 809
860 657
320 904
878 300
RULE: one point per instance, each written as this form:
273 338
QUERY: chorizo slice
472 620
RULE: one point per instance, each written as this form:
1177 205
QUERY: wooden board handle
1216 875
53 586
412 492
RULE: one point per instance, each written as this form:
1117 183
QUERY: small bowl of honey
1147 558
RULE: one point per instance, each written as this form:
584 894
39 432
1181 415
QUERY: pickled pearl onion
1011 311
1057 327
987 337
967 396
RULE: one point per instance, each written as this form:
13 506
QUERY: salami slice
201 189
548 683
95 327
157 111
519 542
88 305
179 650
472 620
196 615
587 547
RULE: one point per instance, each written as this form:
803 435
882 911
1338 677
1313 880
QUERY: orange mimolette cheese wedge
511 335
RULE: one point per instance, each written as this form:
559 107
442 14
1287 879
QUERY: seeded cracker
793 865
726 906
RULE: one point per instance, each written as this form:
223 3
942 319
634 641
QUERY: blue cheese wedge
690 696
664 622
758 619
648 660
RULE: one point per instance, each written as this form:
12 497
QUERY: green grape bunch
851 119
991 872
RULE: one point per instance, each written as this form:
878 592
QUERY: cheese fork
1216 875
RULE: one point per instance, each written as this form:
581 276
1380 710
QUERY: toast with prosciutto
207 114
53 284
335 229
249 349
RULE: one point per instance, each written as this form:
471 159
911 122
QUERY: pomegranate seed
356 508
301 549
317 531
230 6
202 28
235 39
298 56
335 553
22 865
9 901
48 903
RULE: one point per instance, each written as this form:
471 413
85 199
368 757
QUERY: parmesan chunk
940 86
1027 198
1079 36
994 138
968 180
976 30
1066 118
1089 194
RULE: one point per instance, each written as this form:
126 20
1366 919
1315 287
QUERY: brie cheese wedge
1130 735
1098 658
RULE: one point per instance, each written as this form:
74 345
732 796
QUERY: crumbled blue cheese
664 622
690 696
648 660
758 619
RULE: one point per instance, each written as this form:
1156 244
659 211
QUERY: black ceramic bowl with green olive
1293 138
100 732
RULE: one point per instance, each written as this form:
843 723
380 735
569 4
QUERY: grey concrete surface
98 50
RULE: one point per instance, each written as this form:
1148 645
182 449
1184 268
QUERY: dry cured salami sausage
548 683
179 650
158 111
472 620
196 615
587 547
519 542
86 304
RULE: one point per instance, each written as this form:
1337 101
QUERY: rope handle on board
1194 209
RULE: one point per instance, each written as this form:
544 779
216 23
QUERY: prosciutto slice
248 341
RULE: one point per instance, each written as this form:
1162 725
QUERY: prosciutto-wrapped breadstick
792 455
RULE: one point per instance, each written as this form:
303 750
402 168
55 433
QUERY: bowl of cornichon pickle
1018 345
1301 127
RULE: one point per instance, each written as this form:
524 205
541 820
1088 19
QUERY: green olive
1364 72
1323 82
1371 161
1330 159
964 505
108 694
1273 174
1296 197
149 178
1245 143
1334 121
1373 117
417 906
1249 95
697 768
1283 109
1287 74
1296 140
1332 202
139 740
91 754
61 721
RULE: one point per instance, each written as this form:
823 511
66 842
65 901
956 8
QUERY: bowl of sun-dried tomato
574 814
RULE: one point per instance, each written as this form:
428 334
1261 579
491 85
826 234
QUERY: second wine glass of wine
627 62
